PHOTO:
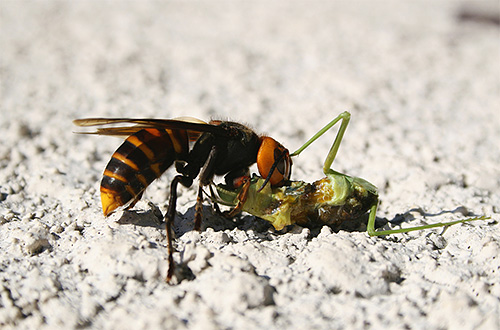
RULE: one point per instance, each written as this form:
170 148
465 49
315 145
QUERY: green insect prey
329 201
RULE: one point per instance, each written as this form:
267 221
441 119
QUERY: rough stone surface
421 80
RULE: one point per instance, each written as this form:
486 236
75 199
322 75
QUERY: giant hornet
221 148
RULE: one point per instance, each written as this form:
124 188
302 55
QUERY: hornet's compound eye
273 159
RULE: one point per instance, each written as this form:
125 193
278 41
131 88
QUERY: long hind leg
372 232
169 220
345 117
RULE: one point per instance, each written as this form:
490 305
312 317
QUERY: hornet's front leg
236 179
241 198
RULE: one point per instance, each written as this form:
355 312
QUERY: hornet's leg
198 211
206 175
241 198
169 220
136 199
236 179
213 197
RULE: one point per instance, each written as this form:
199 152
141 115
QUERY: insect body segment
270 154
142 158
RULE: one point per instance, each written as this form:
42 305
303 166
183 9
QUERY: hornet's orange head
274 160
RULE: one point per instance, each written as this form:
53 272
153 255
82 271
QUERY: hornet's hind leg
206 175
169 220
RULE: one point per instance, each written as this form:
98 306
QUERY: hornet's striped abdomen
142 158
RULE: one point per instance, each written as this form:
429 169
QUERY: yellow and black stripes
142 158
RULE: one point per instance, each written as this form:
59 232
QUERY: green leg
372 232
345 117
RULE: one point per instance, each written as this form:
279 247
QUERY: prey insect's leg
345 117
372 232
169 220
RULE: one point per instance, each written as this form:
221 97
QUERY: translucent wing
194 126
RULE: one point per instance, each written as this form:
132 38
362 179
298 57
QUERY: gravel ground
421 79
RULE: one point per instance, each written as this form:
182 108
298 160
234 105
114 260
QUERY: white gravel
423 88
